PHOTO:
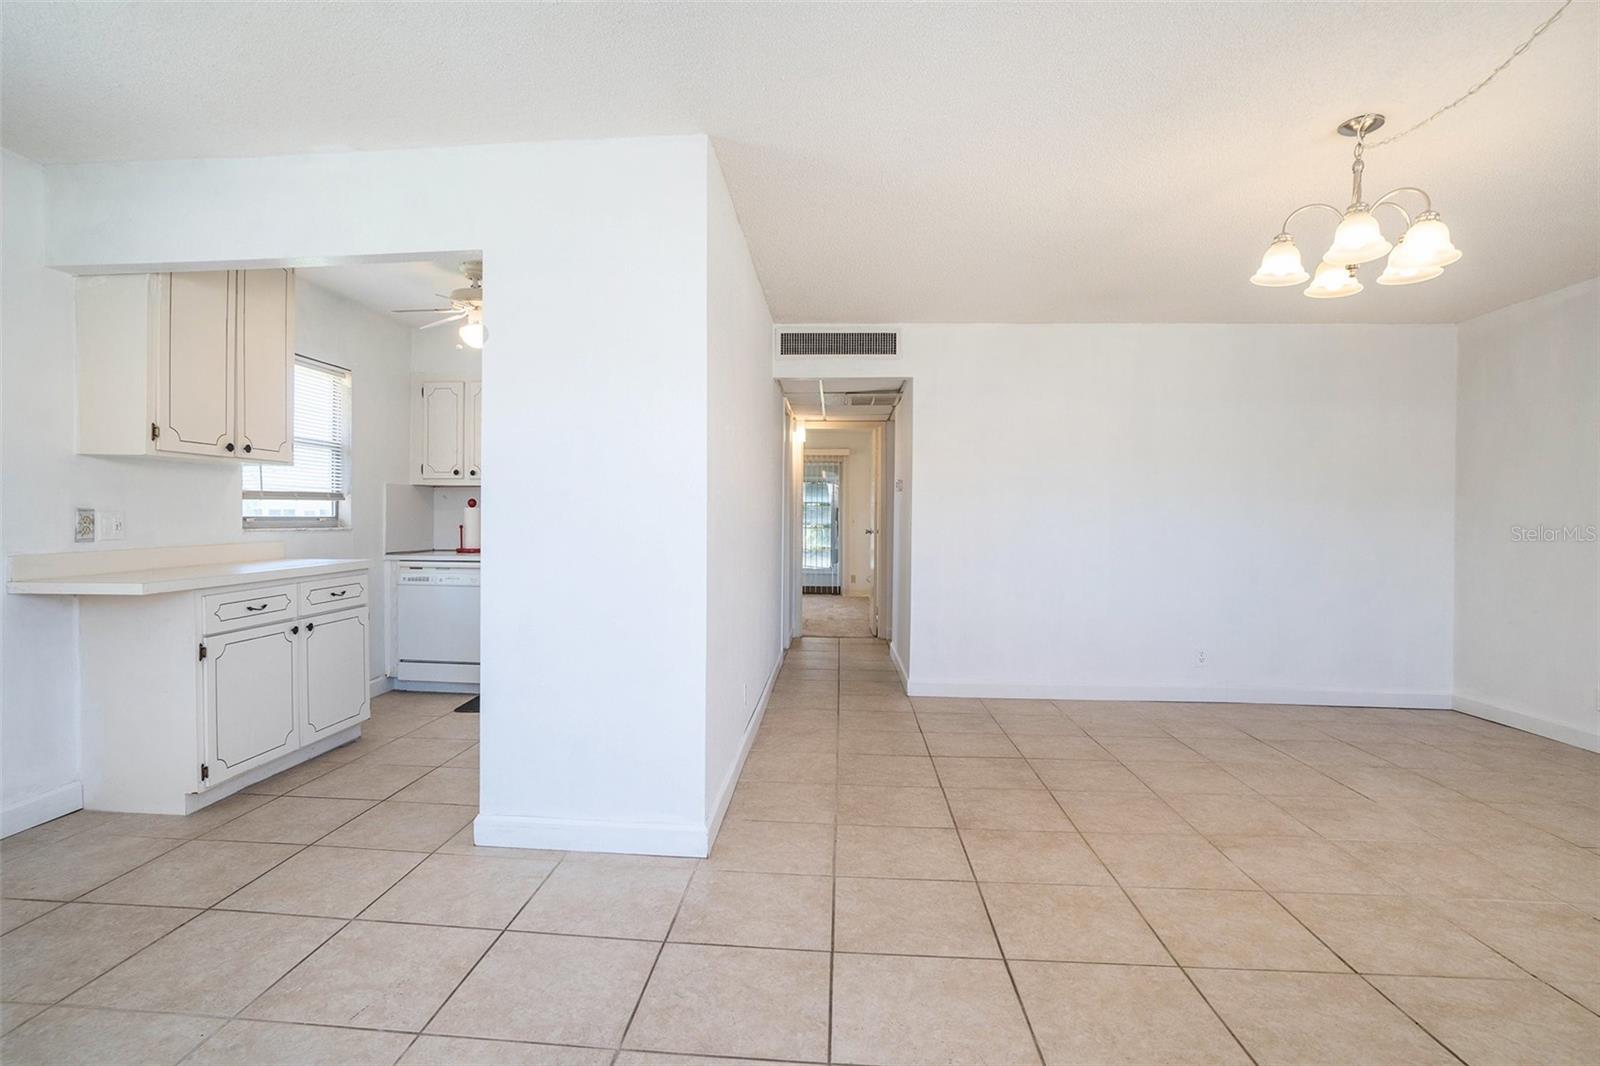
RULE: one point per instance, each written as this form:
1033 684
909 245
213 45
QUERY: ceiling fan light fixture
472 332
1280 265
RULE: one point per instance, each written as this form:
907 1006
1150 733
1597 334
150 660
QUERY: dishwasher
437 631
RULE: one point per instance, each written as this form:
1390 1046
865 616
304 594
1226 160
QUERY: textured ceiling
995 162
387 287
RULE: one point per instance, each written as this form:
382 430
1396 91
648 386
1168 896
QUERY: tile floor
897 881
836 616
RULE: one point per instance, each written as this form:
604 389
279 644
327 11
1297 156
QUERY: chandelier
1421 253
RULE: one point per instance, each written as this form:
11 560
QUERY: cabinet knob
310 626
457 473
228 446
472 473
294 629
247 447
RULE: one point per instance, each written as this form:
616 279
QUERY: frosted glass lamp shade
1428 242
1281 264
1357 240
1333 281
472 334
1404 269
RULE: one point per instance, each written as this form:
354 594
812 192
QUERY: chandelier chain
1521 48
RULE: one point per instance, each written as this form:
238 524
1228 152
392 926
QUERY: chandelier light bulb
1429 241
1333 281
1281 264
1357 240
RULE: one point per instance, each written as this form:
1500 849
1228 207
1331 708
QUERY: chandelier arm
1307 207
1390 203
1427 201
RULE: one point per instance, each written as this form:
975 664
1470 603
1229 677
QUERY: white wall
440 351
1097 505
901 422
858 515
1527 507
165 503
745 484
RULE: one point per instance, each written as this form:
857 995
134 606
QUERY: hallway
835 616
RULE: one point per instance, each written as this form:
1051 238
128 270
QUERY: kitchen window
314 492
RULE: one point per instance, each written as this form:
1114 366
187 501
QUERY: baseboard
1180 694
1528 723
900 667
379 685
730 780
37 810
571 834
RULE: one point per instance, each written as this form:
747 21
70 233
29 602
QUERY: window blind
321 469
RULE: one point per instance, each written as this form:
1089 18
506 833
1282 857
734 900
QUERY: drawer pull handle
341 592
257 607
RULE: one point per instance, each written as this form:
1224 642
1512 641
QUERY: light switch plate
109 524
83 532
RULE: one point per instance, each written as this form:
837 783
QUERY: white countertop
446 555
159 580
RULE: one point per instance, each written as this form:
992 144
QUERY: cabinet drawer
237 608
333 593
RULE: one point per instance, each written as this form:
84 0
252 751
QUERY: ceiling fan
465 303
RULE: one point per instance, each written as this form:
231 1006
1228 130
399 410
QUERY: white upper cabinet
446 435
187 364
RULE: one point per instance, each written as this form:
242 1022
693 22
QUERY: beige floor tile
608 895
777 738
874 916
1315 1018
1007 808
472 890
324 882
1550 940
186 827
1584 992
1150 860
736 1002
1498 1021
1395 935
948 705
1040 858
1568 873
251 1043
1232 930
467 760
773 847
1084 1013
981 745
1572 822
358 748
291 820
15 912
1354 818
1150 750
667 1058
374 975
361 780
462 1051
418 751
216 964
14 1014
396 826
68 868
888 805
1065 748
996 773
782 801
957 722
1440 870
1112 812
282 784
199 873
463 844
899 770
449 727
894 1009
895 851
443 784
731 907
1070 923
549 989
864 739
1082 775
59 952
1189 778
1301 864
67 1036
798 767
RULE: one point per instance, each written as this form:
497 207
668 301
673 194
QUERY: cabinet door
264 335
474 430
194 364
440 428
250 698
335 673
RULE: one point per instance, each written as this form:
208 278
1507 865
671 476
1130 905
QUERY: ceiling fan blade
420 310
442 321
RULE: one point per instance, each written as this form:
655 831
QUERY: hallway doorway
835 616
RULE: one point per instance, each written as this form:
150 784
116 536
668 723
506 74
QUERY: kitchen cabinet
336 655
195 365
446 431
249 698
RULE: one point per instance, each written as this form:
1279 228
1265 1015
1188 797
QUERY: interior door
474 432
443 408
194 364
249 698
821 564
336 693
264 308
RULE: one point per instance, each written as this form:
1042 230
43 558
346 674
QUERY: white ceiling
909 162
388 287
830 398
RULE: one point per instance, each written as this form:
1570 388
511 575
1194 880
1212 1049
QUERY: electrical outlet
110 524
83 532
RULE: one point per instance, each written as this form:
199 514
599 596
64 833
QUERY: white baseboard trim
1528 723
1179 694
37 810
900 667
571 834
719 807
379 685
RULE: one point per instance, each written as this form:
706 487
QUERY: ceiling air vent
886 398
837 343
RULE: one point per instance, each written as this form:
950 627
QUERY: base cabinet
336 651
250 699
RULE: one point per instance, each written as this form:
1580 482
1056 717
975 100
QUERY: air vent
836 343
872 399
